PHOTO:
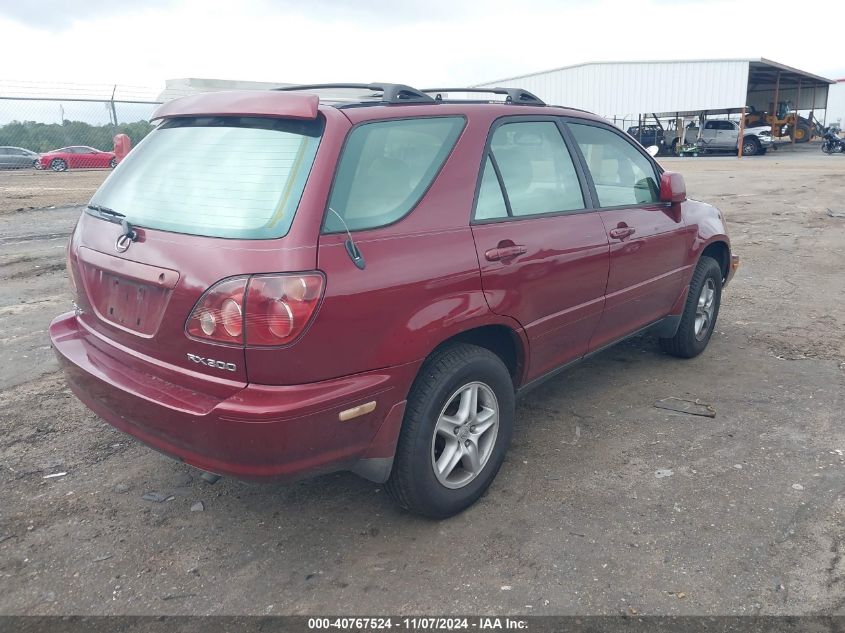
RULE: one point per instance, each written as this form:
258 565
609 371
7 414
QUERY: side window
385 168
491 201
711 125
621 174
537 173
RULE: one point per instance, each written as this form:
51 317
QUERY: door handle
621 232
504 252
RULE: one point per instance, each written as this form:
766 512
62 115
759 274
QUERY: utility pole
112 110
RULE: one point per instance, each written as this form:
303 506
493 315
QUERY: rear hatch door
201 199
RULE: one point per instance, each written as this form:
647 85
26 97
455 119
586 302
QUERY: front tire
750 146
457 428
802 133
57 164
700 311
113 163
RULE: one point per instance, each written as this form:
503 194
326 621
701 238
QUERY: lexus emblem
122 244
125 240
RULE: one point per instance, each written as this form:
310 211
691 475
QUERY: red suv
270 286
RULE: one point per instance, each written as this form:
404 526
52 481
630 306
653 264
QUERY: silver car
17 158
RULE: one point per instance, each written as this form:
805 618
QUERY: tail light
262 310
214 316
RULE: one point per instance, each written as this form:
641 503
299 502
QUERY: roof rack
390 93
514 95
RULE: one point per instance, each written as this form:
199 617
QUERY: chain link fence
70 125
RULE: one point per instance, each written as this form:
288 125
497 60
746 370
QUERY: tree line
42 137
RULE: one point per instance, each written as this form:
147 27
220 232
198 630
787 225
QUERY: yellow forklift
785 122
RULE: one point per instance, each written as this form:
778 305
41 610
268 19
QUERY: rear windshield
237 177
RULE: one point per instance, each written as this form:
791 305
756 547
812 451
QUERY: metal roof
760 61
628 88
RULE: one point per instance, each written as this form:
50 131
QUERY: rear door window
536 174
385 169
236 177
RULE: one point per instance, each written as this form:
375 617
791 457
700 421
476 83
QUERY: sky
140 43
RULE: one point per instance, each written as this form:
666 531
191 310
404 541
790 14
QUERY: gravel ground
33 189
750 520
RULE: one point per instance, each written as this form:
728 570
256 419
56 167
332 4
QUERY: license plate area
128 295
130 304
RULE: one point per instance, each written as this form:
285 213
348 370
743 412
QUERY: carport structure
628 92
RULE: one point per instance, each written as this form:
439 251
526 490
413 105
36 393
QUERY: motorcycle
831 143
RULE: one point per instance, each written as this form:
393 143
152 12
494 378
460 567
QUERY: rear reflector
262 310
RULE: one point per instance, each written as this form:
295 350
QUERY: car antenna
354 254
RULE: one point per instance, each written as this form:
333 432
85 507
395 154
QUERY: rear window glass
236 177
385 169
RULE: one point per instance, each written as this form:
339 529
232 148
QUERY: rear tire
452 444
57 164
700 311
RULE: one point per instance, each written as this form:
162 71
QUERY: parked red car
368 285
76 157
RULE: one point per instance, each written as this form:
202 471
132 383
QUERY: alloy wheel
464 435
705 308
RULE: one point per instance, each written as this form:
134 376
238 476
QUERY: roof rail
514 95
391 93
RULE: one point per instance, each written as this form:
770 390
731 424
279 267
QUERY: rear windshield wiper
107 214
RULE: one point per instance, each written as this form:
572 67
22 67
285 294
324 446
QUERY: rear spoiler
258 103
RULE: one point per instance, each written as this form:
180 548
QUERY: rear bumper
257 432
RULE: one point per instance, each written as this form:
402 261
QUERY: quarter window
621 174
491 202
536 172
385 169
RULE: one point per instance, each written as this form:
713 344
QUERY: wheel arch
721 252
504 341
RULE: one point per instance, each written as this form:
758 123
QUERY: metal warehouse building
625 90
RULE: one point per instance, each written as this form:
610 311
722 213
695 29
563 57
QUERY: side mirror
652 150
672 187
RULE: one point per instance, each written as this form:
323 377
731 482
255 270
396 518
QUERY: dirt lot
33 189
750 521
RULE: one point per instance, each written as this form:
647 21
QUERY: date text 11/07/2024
418 623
